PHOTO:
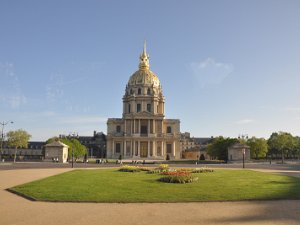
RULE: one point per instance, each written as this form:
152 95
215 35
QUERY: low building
34 151
56 151
238 151
96 144
194 147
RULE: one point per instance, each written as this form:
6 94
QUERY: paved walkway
15 210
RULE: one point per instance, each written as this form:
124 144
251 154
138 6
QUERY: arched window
131 91
139 91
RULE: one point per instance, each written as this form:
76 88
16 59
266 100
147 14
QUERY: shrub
145 168
197 170
130 169
202 170
168 157
163 167
153 171
202 157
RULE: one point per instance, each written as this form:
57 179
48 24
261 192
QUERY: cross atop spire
144 59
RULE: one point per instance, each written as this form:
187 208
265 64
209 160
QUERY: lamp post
72 157
73 135
2 135
243 158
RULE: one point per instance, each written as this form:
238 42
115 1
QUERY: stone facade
56 151
236 152
143 132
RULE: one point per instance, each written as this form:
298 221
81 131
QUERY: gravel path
15 210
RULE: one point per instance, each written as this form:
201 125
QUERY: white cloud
211 72
244 121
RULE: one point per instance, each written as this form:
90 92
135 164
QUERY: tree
219 146
258 147
18 139
75 146
282 142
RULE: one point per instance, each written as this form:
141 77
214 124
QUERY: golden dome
144 77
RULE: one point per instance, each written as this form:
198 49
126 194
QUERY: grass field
110 185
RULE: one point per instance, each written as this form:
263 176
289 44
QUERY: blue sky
226 67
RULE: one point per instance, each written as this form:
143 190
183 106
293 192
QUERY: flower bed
181 177
132 169
197 170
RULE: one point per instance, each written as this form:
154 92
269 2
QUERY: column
148 130
148 153
174 149
154 148
125 128
139 127
162 148
113 148
133 126
139 148
124 148
153 126
134 147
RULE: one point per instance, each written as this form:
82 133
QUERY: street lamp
73 135
243 158
2 135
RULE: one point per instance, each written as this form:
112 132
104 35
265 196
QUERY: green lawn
110 185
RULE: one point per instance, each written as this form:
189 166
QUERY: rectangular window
118 129
169 148
149 107
129 108
144 130
138 107
118 147
169 130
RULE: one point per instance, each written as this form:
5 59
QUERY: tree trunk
15 157
282 156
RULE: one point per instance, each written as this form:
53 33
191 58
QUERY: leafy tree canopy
74 145
219 146
18 139
258 147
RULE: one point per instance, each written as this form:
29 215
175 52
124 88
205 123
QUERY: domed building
143 132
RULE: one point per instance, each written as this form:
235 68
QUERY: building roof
239 146
56 144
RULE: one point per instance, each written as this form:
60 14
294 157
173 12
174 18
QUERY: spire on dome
144 59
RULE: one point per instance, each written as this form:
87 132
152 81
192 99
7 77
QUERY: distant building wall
56 151
236 152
